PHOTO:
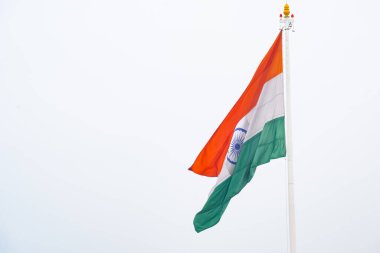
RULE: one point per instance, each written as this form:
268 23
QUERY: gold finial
286 10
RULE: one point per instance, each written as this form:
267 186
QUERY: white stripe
269 106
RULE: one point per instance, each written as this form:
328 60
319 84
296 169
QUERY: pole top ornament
286 10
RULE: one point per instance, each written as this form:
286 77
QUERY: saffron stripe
210 160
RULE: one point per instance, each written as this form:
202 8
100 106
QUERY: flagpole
286 25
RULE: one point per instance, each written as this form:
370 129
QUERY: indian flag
252 134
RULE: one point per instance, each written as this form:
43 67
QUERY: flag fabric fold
252 134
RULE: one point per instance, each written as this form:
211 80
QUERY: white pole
287 25
289 148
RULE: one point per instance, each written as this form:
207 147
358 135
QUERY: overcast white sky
105 104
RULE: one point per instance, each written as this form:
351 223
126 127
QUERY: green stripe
261 148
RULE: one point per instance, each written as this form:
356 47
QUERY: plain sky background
105 104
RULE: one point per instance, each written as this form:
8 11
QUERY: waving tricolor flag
252 134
